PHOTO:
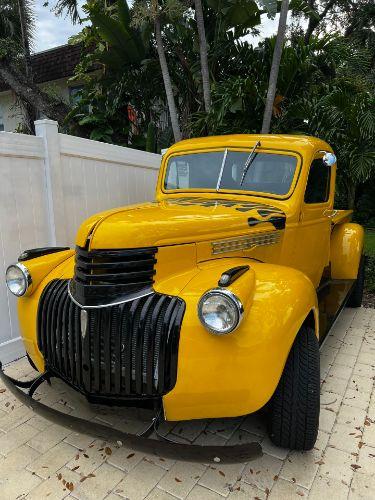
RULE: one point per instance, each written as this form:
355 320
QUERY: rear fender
346 250
236 374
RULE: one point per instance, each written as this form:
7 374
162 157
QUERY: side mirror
329 159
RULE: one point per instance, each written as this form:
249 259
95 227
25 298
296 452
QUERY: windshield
268 172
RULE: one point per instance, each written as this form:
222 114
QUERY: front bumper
167 449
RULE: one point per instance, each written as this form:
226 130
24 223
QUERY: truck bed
342 216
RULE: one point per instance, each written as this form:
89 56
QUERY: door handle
330 213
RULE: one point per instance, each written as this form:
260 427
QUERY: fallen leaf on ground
70 486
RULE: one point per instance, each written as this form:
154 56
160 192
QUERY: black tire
295 405
31 362
356 295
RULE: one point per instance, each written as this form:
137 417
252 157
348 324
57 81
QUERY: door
314 232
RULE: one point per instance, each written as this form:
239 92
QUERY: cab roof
300 143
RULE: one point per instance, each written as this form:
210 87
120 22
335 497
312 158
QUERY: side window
317 189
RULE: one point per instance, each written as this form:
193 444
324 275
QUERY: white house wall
12 116
48 185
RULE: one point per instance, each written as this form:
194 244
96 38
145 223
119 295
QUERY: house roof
53 64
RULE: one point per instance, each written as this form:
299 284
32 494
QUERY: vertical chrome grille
126 350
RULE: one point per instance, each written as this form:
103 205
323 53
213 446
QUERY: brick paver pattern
40 459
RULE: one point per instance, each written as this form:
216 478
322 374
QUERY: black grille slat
69 354
101 276
76 346
139 344
94 323
62 319
117 278
55 330
89 265
128 350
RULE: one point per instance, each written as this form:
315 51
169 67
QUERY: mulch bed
368 299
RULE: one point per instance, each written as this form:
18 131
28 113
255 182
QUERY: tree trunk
31 94
30 112
351 189
275 67
167 82
314 21
203 55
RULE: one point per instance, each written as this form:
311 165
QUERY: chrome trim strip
221 170
101 306
245 242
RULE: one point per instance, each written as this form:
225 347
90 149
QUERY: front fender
43 270
236 374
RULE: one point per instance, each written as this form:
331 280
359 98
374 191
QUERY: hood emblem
83 323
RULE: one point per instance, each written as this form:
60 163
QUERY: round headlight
18 279
220 311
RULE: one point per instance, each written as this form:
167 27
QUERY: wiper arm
248 162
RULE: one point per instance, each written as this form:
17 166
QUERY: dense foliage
325 85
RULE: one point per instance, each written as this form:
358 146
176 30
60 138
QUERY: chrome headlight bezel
25 275
237 304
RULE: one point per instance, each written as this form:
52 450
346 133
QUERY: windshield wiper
248 162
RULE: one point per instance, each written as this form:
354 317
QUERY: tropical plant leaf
304 7
270 6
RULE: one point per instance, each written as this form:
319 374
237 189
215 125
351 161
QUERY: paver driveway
40 459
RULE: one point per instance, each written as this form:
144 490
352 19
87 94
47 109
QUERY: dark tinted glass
317 189
199 171
267 173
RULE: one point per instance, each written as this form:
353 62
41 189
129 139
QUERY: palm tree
275 67
68 6
203 55
16 31
26 21
152 11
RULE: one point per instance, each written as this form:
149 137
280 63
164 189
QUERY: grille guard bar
166 449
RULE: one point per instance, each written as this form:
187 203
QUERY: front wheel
356 295
295 405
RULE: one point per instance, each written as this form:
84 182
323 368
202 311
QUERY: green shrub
370 273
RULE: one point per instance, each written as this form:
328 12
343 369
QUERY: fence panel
49 185
23 221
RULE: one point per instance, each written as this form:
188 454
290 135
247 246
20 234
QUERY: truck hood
177 221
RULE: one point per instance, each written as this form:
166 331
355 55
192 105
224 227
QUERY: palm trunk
30 113
167 82
203 55
351 193
275 67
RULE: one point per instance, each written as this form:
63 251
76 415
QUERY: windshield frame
241 192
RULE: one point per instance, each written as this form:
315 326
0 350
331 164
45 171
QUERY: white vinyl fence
48 185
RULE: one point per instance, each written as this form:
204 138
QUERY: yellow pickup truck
210 301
